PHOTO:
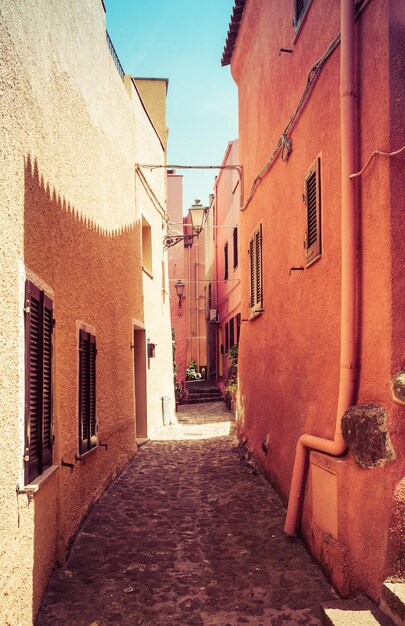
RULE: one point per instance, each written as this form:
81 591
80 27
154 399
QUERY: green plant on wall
231 386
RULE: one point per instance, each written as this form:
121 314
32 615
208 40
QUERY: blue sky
183 40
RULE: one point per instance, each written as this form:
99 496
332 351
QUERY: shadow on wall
95 277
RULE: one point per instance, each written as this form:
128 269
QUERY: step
205 395
202 400
393 601
205 392
355 612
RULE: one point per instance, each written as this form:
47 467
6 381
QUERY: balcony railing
114 55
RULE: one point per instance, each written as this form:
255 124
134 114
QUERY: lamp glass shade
197 216
179 286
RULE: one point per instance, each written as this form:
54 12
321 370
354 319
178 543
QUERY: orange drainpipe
347 383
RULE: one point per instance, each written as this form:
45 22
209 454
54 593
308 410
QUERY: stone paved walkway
189 534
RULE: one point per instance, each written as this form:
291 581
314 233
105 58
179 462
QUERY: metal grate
115 56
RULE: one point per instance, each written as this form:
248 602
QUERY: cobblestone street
190 533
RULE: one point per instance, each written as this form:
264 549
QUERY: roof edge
233 31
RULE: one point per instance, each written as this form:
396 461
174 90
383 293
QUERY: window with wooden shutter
312 195
255 259
299 10
226 337
226 270
235 247
231 332
87 392
38 381
238 322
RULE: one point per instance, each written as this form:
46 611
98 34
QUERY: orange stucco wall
176 255
194 264
227 211
294 345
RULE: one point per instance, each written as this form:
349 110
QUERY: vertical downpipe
347 381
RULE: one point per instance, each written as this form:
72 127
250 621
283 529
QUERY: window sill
85 455
147 272
314 260
255 314
38 482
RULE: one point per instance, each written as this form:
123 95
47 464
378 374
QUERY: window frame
238 324
256 272
298 19
235 247
87 410
313 213
38 451
147 246
231 332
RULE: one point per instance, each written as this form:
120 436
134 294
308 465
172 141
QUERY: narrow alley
190 533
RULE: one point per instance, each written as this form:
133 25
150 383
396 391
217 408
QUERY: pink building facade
226 211
176 260
319 92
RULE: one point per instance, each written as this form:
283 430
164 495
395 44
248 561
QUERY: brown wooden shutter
87 392
92 391
226 270
255 252
83 408
47 383
235 247
258 263
238 322
231 332
38 381
252 272
299 10
313 212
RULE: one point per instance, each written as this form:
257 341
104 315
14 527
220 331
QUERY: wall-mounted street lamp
179 287
198 215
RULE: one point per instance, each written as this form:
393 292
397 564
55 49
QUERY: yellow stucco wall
70 221
153 93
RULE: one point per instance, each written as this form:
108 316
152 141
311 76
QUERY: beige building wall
155 277
194 261
153 92
70 221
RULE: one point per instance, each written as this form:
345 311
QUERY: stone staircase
362 612
202 391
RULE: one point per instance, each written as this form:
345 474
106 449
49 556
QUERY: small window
255 254
238 321
38 381
312 195
226 271
87 392
231 332
299 11
146 246
235 247
226 337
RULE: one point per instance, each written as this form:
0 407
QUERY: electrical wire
381 153
285 143
151 193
